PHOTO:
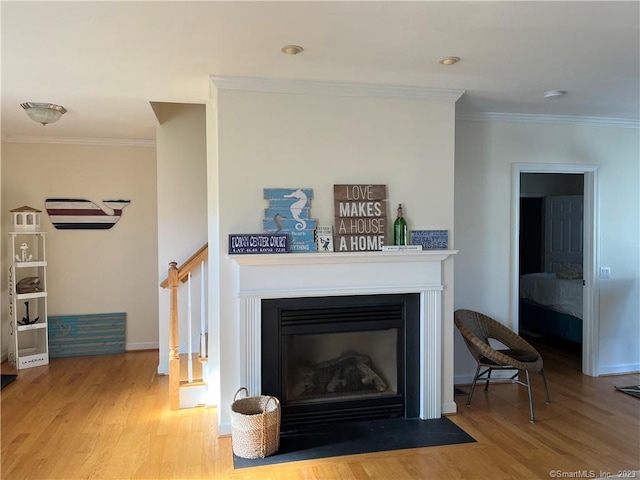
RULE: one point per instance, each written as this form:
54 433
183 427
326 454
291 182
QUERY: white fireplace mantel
330 274
341 258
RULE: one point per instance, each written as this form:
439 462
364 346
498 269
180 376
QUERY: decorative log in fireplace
342 358
349 373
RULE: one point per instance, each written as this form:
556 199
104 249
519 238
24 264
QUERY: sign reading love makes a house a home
360 217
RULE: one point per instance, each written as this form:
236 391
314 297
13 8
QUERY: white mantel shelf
342 258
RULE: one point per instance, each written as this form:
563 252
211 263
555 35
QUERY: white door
564 224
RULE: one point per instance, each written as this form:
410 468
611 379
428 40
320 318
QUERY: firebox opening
341 358
325 366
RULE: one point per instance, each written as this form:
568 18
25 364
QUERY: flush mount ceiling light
291 49
553 94
449 60
43 112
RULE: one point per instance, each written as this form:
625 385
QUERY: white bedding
561 295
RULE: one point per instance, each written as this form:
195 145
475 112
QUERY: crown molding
105 142
547 119
332 88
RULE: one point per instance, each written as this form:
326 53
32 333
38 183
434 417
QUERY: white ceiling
106 61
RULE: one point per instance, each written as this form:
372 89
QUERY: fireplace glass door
341 358
340 366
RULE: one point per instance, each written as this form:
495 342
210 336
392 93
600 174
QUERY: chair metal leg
473 386
546 390
533 418
486 385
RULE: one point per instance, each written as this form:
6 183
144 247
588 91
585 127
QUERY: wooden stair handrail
187 267
175 275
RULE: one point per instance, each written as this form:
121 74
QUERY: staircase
187 370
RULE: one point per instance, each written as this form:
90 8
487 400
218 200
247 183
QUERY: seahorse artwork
79 214
297 207
288 213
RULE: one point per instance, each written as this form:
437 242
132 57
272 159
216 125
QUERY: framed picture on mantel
431 239
360 217
257 243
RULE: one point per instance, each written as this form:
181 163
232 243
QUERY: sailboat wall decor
80 214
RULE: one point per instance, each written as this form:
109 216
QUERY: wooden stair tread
195 383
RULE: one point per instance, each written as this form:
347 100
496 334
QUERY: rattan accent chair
476 329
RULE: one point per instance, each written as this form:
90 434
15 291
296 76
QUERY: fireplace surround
346 274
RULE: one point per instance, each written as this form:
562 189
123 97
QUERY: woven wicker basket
255 425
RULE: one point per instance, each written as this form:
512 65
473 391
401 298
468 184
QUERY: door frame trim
591 253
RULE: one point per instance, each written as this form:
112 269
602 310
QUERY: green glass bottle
400 229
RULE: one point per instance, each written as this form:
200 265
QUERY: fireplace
342 357
293 276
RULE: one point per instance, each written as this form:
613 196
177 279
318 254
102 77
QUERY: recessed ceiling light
449 60
552 94
291 49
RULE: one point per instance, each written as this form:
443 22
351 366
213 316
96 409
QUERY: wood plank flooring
108 417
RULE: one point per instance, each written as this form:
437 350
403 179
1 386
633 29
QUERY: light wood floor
107 417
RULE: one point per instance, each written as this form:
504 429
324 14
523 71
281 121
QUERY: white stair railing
189 332
203 321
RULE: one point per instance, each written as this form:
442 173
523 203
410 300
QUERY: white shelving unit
28 337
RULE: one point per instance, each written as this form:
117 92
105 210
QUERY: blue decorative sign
431 239
289 212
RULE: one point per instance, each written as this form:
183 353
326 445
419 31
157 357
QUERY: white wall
485 152
182 207
91 271
316 141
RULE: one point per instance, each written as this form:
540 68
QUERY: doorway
551 250
588 246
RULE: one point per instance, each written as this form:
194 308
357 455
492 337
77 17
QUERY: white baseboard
449 407
127 347
630 368
224 429
142 346
619 369
465 379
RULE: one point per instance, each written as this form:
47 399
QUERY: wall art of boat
79 214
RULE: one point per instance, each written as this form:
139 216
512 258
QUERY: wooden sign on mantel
360 217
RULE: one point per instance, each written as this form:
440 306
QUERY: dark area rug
633 390
7 379
349 438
